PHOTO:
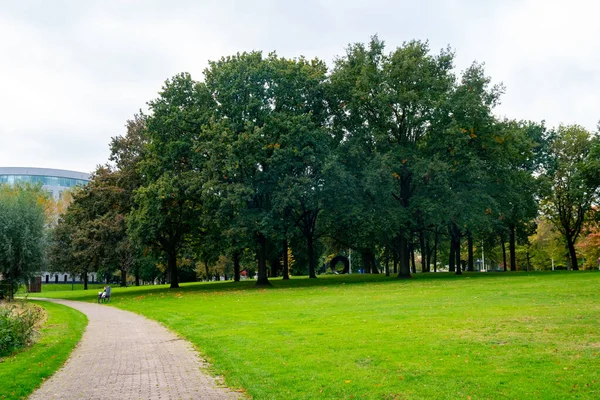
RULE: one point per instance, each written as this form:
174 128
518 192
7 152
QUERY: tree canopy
391 154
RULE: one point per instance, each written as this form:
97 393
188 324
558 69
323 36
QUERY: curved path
123 355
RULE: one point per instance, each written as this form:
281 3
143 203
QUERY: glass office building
53 180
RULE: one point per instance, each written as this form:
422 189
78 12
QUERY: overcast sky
73 72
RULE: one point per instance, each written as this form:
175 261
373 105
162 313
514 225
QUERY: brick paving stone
123 355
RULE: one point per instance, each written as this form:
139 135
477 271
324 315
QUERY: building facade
65 277
53 180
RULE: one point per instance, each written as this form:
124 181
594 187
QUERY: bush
16 327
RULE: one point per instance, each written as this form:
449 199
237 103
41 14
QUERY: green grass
513 335
62 287
22 372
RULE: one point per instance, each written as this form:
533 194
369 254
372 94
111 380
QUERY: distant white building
65 277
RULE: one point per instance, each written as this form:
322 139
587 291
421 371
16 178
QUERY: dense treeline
390 154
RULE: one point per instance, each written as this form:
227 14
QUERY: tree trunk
404 256
423 251
455 238
470 265
412 258
572 253
428 250
137 276
373 262
85 281
435 247
457 254
236 266
368 262
172 264
262 279
504 253
123 277
396 253
452 260
366 267
286 265
387 260
311 257
274 264
511 247
404 199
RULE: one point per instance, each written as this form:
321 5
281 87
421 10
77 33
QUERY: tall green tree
93 230
520 156
387 103
126 152
22 234
573 155
109 205
268 148
168 204
75 245
238 179
462 138
302 162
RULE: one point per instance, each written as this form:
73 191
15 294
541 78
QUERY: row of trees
388 154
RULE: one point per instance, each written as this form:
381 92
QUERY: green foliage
69 248
390 153
167 205
91 235
267 151
547 246
384 107
574 156
16 326
22 235
422 147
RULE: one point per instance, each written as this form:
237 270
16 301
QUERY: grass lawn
511 335
22 372
61 287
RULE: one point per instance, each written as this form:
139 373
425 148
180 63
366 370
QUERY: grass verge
22 372
513 335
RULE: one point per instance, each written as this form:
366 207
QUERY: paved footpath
123 355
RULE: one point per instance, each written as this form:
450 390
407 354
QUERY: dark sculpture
338 259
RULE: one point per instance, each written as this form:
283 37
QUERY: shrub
16 327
